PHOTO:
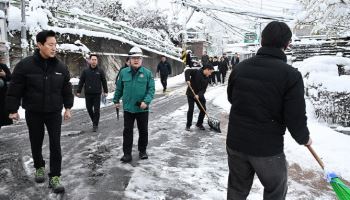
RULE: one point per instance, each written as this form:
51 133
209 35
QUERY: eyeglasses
136 58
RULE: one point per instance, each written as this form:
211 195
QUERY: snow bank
323 71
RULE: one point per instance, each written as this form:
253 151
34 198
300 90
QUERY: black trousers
191 100
218 76
163 80
271 171
93 102
213 77
36 122
128 134
223 73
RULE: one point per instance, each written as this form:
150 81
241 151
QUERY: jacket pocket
141 84
127 81
57 80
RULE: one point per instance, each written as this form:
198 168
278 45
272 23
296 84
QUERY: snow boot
55 184
201 127
143 155
126 158
40 175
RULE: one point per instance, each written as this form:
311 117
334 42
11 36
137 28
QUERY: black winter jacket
42 85
223 68
164 68
199 82
93 80
266 96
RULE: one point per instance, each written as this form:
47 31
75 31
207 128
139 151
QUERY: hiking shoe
126 158
143 155
94 128
188 128
164 90
201 127
40 175
55 184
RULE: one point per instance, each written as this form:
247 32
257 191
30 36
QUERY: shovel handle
318 159
189 85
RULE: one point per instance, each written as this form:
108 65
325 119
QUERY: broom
342 191
213 123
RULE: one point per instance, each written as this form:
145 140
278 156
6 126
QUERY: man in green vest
135 86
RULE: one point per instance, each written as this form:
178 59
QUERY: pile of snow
328 92
76 48
323 71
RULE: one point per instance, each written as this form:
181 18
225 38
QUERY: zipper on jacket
45 79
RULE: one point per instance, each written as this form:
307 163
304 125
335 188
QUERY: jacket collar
274 52
93 68
39 58
140 70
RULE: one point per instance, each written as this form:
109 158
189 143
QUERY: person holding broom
198 80
266 96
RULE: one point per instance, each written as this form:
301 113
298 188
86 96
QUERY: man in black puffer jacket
42 83
94 79
164 70
198 80
267 96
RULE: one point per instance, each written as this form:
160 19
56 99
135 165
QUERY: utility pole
4 47
259 38
24 42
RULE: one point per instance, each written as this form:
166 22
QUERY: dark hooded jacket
199 82
93 80
266 96
42 85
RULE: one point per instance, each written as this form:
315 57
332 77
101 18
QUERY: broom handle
315 156
189 85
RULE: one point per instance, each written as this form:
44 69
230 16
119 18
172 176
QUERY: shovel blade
214 124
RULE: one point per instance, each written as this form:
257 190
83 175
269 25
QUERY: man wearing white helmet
189 59
135 85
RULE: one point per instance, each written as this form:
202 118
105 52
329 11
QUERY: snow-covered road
181 164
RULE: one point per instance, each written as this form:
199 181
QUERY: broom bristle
342 190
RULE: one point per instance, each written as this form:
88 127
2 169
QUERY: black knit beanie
276 34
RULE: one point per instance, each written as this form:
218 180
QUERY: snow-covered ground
193 165
207 173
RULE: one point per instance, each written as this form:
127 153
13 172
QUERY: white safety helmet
135 52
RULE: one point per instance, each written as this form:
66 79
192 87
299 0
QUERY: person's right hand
196 96
188 82
78 94
309 142
117 105
14 116
2 73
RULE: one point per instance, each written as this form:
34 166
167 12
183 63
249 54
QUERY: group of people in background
221 65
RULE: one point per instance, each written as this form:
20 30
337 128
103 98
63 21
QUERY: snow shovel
341 190
213 123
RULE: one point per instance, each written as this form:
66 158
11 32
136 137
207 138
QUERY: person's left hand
67 114
143 105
